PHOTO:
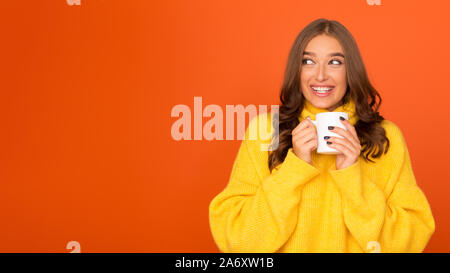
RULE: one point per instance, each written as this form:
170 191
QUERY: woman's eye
309 61
305 61
336 62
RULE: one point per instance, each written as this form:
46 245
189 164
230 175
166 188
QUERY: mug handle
315 123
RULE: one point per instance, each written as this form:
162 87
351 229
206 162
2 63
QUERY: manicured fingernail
342 118
326 137
330 127
328 142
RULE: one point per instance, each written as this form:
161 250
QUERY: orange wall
87 91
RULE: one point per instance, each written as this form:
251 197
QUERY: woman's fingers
302 125
344 143
351 128
303 140
350 132
308 141
342 148
346 134
313 142
307 132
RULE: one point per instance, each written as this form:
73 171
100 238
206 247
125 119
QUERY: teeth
322 90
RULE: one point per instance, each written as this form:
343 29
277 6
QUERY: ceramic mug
323 120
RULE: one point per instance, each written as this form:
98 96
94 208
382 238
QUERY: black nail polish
330 127
342 118
326 137
328 142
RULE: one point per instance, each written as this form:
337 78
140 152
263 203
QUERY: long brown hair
371 134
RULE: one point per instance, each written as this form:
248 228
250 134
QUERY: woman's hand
349 146
304 140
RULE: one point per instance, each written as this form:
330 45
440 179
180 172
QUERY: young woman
292 199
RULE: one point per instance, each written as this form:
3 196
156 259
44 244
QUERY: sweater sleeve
397 217
255 213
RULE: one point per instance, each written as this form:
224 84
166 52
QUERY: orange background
87 91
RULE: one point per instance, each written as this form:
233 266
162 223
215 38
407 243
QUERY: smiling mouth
322 89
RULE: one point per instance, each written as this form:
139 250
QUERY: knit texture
302 207
311 111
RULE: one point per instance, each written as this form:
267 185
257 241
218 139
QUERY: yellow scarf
311 111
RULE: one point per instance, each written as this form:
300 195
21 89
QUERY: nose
321 74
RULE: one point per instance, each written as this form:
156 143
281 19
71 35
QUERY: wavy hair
371 134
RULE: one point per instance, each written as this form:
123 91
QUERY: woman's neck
331 109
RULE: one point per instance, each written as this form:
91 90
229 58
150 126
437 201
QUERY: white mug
323 120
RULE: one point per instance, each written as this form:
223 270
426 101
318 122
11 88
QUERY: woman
292 199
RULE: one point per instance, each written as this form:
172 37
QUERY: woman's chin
322 104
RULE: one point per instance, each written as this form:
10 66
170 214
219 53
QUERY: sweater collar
311 111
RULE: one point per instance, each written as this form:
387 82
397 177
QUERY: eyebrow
331 54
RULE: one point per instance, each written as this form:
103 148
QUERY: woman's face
323 73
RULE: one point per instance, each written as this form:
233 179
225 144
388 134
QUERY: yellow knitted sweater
366 207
